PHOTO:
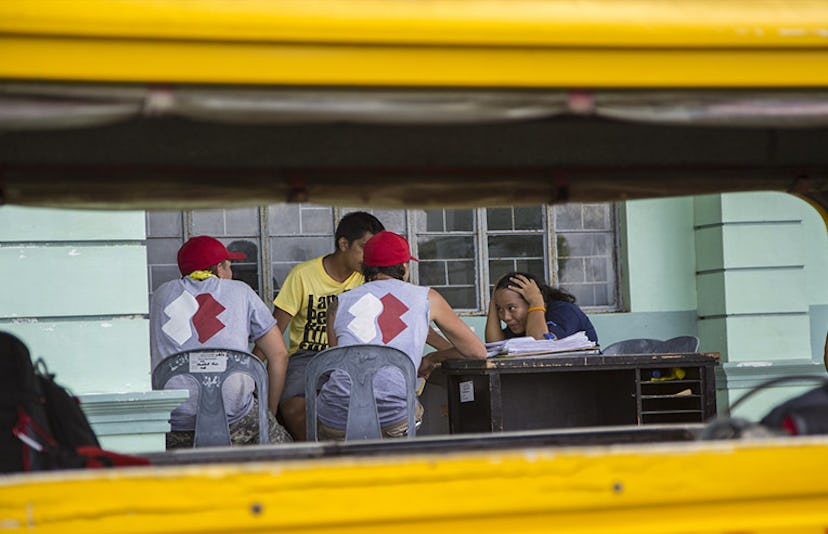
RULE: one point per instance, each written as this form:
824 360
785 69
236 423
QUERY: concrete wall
75 291
745 272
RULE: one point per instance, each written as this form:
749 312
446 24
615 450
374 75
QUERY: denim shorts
295 375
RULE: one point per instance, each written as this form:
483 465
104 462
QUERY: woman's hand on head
528 289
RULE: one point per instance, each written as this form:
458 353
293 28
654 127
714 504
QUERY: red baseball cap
201 252
386 248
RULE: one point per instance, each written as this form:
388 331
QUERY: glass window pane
434 221
585 245
459 220
571 270
596 269
445 247
515 246
208 222
392 220
597 216
584 294
164 224
499 218
242 221
317 221
460 298
163 251
568 217
529 218
461 272
432 273
531 266
298 248
246 270
283 219
498 268
585 257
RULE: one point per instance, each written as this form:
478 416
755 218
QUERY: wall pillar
751 283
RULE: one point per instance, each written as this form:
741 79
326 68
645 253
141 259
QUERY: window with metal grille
462 252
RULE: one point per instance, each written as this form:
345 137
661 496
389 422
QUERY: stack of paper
526 345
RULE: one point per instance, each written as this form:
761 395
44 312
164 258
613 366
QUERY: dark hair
356 224
549 293
370 272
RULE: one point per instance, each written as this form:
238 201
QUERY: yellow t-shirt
305 295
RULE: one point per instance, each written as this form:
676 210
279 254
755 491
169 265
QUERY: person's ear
342 244
407 273
222 269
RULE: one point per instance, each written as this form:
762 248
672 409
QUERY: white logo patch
180 311
365 312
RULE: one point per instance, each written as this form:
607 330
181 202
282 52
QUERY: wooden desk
572 390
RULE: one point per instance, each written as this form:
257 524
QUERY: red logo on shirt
205 319
389 320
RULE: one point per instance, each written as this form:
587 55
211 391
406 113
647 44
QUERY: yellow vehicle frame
459 43
772 486
714 487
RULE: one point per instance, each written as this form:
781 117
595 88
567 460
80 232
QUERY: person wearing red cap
206 308
387 310
302 305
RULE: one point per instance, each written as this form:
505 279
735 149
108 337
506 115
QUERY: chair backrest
361 362
210 368
653 346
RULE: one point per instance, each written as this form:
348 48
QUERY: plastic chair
361 362
678 344
210 368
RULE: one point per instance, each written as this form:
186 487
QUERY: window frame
480 233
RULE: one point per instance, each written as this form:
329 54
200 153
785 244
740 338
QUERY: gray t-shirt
383 312
214 313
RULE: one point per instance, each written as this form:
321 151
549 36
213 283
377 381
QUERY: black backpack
41 425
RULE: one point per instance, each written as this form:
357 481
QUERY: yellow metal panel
724 487
695 23
598 43
131 61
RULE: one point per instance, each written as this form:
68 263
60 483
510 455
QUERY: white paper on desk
524 345
495 348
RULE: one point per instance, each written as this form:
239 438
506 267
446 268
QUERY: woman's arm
494 332
536 314
466 343
436 341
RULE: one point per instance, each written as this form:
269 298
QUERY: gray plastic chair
361 362
210 368
678 344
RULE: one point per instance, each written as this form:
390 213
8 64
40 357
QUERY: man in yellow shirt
302 303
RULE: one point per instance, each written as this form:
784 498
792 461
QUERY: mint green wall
657 240
75 291
816 256
746 272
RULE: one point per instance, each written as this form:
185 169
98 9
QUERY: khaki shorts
245 431
396 430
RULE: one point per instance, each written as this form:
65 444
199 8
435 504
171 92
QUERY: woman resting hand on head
529 307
